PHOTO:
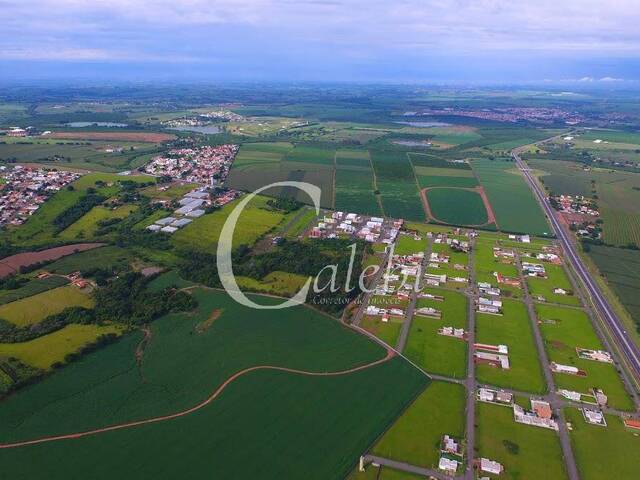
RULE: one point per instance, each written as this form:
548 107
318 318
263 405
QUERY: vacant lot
514 330
518 447
564 330
12 264
437 353
603 452
30 310
107 387
415 437
556 278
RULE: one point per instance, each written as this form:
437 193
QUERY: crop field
276 283
381 473
621 269
513 203
556 278
306 154
32 287
603 452
519 448
30 310
415 437
444 177
433 352
94 155
12 264
564 330
514 330
354 189
109 257
456 206
87 225
48 350
397 185
115 135
256 220
358 406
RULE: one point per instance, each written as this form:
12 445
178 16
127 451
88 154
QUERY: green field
30 310
354 189
514 330
32 287
457 206
621 270
603 452
408 245
486 264
513 203
203 233
388 331
556 278
86 226
496 430
267 412
564 330
397 185
415 437
43 352
431 351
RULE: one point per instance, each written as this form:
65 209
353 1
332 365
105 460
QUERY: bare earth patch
206 324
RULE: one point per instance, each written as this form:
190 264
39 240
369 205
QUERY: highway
628 348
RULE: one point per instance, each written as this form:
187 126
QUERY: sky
493 41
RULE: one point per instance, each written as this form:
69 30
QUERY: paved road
628 348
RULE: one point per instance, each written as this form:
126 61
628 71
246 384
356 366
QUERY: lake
94 124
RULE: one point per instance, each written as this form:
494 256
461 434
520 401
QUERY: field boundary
491 217
216 393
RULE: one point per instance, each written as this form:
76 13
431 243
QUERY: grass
182 367
603 452
556 278
513 203
457 206
408 245
415 437
486 264
431 351
354 190
277 283
572 328
539 454
514 330
203 233
87 225
30 310
32 287
388 331
301 224
109 257
43 352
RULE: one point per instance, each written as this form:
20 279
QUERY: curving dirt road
204 403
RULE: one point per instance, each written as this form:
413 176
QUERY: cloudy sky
357 40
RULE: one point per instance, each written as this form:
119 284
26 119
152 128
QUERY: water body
95 124
208 129
425 124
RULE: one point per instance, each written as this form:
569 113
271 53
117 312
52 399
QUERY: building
448 465
496 360
568 369
520 415
593 417
596 355
498 397
489 466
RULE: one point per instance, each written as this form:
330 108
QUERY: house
569 369
168 229
166 221
541 408
594 417
596 355
448 465
428 312
496 360
492 348
520 415
489 466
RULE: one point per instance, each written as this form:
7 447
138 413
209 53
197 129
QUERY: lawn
415 437
45 351
556 278
609 452
457 206
30 310
203 233
534 452
388 331
431 351
513 203
267 412
514 330
408 245
564 329
486 264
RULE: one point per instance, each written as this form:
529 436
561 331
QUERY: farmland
234 341
415 437
456 206
86 226
513 203
31 310
354 189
